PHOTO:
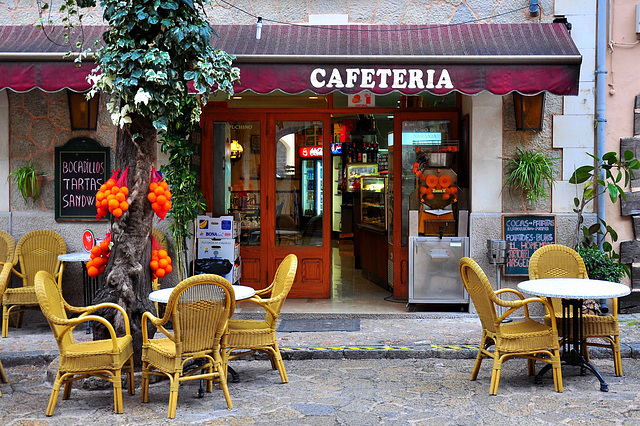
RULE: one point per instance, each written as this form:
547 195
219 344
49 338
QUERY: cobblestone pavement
346 392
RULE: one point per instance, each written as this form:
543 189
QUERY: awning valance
468 58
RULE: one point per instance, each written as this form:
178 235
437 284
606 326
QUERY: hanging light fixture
82 112
529 111
259 29
236 150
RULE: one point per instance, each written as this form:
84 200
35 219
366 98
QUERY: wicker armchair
36 251
200 308
525 338
78 360
5 275
558 261
7 247
260 335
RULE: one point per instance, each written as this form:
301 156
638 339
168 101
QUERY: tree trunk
128 276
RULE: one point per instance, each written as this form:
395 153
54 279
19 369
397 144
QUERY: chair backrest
38 251
283 281
556 261
5 277
481 293
52 305
200 307
7 247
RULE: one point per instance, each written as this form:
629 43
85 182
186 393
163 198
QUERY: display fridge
311 187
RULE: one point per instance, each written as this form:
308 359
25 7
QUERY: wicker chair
558 261
525 338
5 275
260 335
200 308
7 247
78 360
36 251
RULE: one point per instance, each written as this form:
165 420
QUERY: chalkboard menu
81 166
524 235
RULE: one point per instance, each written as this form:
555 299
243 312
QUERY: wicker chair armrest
510 290
265 290
158 323
19 274
263 303
73 323
90 309
514 304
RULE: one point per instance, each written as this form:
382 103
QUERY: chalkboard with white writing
524 235
81 166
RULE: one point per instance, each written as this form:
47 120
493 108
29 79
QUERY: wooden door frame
401 254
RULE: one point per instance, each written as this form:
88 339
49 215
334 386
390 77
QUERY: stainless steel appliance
433 270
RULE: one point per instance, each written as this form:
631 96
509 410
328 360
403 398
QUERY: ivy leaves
156 51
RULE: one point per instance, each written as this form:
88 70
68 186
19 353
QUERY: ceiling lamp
529 111
82 112
236 150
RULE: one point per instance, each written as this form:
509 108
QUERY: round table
573 291
162 296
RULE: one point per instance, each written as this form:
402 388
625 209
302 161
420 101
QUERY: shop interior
361 189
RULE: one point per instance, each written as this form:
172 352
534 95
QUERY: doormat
309 325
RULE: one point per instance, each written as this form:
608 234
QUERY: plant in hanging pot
531 172
28 180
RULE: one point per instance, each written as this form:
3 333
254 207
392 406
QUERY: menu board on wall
524 235
81 167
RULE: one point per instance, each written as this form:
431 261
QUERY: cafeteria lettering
369 78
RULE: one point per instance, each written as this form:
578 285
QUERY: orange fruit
104 204
162 254
160 272
97 262
115 190
117 212
168 269
153 186
120 197
93 271
159 190
167 194
155 207
152 197
113 204
99 195
96 251
124 206
103 187
167 206
163 263
164 185
154 265
161 199
124 190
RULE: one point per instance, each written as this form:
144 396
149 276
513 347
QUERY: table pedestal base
573 347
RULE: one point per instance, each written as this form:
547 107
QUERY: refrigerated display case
311 187
374 201
357 170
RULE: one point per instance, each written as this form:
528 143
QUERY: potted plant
28 180
530 172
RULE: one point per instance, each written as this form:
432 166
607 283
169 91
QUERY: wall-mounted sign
81 167
525 235
88 240
363 99
310 151
336 148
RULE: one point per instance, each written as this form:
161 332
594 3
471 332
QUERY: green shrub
600 266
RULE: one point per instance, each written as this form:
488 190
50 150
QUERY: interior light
82 112
313 97
259 29
529 111
236 150
236 97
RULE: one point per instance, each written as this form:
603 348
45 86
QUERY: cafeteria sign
525 235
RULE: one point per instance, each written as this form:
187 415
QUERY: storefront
318 108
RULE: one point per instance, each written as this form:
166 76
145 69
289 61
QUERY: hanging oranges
99 258
112 196
160 263
159 195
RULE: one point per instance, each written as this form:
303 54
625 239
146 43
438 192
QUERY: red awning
469 58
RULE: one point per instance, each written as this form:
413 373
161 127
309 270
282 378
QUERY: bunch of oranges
160 198
99 259
160 263
112 199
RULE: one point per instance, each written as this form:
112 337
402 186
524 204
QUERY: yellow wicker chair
260 335
78 360
7 247
36 251
200 308
558 261
5 275
525 338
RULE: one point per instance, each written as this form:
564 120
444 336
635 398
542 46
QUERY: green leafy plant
530 172
28 179
606 176
600 266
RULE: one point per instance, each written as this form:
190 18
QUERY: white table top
82 256
162 295
574 288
